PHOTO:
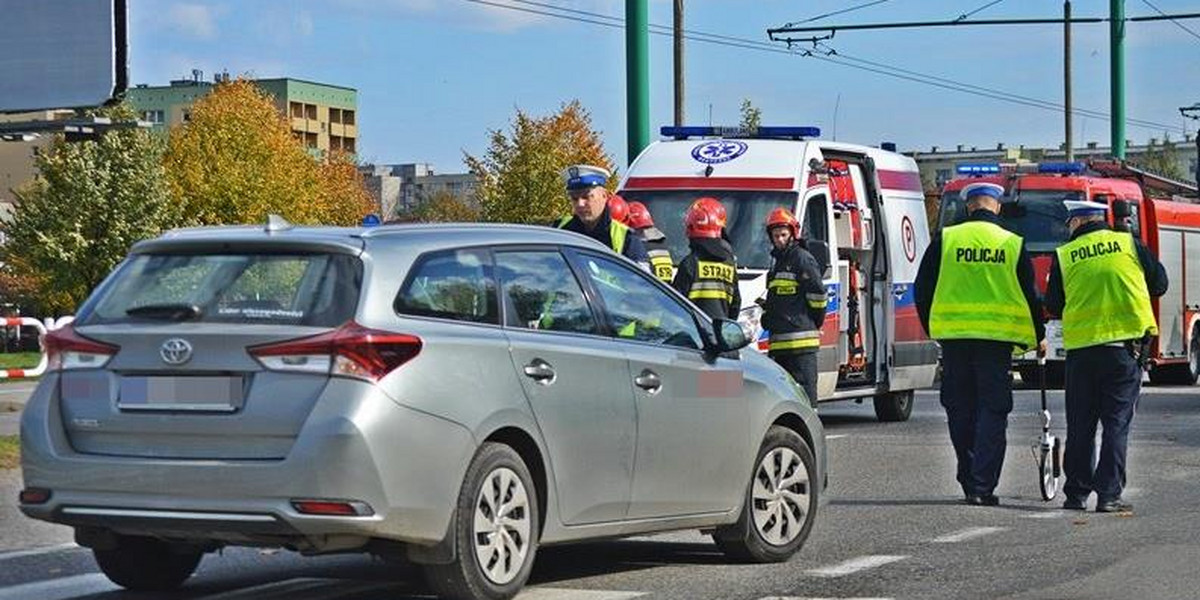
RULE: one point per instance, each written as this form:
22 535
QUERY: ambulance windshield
1039 216
747 211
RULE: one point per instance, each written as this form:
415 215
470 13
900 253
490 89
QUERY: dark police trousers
803 368
977 396
1102 387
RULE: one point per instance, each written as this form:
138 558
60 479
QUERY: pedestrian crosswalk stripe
811 598
1053 514
966 534
855 565
38 551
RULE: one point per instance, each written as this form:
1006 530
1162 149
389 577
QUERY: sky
434 76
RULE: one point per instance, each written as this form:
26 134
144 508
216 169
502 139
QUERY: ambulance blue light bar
689 131
977 168
1062 168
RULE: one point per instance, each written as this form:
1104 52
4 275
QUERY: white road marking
1054 514
549 593
966 534
37 551
59 589
810 598
1131 491
855 565
835 436
23 390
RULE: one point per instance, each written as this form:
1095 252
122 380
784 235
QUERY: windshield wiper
169 312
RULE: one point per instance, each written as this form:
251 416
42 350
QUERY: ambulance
862 211
1153 208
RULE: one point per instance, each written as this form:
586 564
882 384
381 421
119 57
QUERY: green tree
91 201
236 161
444 206
520 172
751 115
1163 160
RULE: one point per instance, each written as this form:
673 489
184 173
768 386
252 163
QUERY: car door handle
540 371
648 380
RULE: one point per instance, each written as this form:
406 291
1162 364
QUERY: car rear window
319 290
455 285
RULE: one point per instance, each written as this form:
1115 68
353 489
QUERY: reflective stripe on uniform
794 341
817 300
714 290
783 287
662 265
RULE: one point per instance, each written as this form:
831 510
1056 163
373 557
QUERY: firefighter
795 306
618 209
975 294
1101 282
661 263
589 198
708 275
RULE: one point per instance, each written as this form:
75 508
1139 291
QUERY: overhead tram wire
839 12
1177 23
965 16
868 66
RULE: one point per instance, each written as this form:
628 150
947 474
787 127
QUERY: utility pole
1193 112
1067 80
1116 32
678 32
637 77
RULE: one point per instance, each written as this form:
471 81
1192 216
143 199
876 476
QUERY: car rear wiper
170 312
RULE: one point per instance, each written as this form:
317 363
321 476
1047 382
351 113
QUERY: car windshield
1039 216
747 212
318 290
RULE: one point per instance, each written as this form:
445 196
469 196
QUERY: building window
348 117
187 116
154 116
335 143
310 111
943 175
310 140
335 115
296 109
348 145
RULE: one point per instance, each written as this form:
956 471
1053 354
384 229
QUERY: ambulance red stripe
907 181
709 183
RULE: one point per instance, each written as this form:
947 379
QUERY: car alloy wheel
781 496
502 526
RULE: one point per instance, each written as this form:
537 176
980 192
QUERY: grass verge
19 360
10 451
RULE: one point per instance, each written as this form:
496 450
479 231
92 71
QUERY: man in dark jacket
708 275
589 198
795 306
975 295
1101 283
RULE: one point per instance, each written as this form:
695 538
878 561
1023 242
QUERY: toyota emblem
175 351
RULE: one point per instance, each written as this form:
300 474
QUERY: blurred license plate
217 394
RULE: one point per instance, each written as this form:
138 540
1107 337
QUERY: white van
864 204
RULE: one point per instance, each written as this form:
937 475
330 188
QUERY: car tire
894 407
773 525
487 570
146 564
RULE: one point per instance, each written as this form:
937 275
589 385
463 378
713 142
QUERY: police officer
795 306
661 263
589 198
1101 282
975 294
708 275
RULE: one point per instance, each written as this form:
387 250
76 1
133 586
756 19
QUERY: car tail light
34 496
66 350
332 508
349 351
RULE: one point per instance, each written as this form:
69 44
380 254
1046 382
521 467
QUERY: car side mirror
729 336
820 251
1122 209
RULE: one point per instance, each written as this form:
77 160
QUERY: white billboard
62 53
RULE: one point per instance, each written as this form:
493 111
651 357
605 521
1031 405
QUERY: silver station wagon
450 395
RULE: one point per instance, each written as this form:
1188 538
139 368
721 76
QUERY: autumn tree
444 206
1163 160
236 161
91 201
520 173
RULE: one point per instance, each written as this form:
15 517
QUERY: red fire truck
1163 213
